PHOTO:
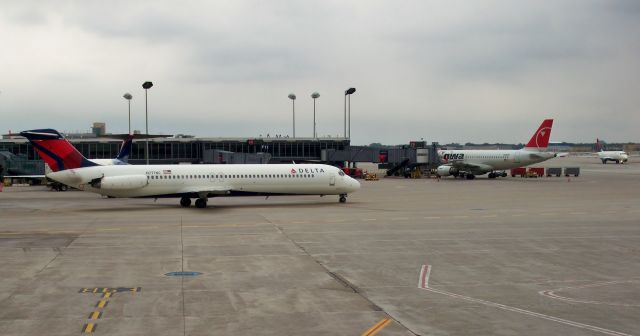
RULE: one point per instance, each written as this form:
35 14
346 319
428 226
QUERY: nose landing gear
343 198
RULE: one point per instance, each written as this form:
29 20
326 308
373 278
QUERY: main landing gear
470 176
343 198
200 202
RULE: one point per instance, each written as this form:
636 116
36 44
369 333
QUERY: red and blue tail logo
55 150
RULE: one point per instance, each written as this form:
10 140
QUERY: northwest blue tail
125 149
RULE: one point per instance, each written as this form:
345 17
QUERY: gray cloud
454 71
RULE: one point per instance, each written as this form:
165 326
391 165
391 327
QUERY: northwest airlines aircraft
469 163
190 181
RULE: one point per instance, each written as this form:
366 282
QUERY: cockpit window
341 173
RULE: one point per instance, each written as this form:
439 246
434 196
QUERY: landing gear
470 176
201 203
185 202
493 175
343 198
604 161
617 161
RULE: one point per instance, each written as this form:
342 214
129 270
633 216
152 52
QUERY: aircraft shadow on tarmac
215 207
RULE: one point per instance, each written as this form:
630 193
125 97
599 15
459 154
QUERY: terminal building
17 156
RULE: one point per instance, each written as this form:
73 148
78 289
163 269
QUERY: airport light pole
314 95
293 101
348 92
128 97
146 86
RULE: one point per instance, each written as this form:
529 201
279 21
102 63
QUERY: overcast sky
479 71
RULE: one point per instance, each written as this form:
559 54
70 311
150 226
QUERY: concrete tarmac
511 256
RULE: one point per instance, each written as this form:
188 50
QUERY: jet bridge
396 159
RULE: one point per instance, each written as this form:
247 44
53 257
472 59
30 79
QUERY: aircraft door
332 180
516 157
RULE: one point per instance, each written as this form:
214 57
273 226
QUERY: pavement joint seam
337 277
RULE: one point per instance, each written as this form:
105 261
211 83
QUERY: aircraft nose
354 184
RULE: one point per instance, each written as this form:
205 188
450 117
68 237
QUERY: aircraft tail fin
125 149
540 139
55 150
599 146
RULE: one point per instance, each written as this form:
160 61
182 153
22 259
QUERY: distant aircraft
615 156
189 181
469 163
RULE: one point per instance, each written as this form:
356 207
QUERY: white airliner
615 156
197 181
469 163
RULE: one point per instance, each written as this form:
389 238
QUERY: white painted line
425 272
114 229
424 284
577 213
335 221
432 217
399 218
489 216
460 216
553 295
369 219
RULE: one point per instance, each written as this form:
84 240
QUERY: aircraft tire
617 161
343 199
185 202
470 176
201 203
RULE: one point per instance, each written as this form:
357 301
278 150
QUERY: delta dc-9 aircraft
186 181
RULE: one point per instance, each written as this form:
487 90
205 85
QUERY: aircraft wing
203 191
474 168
